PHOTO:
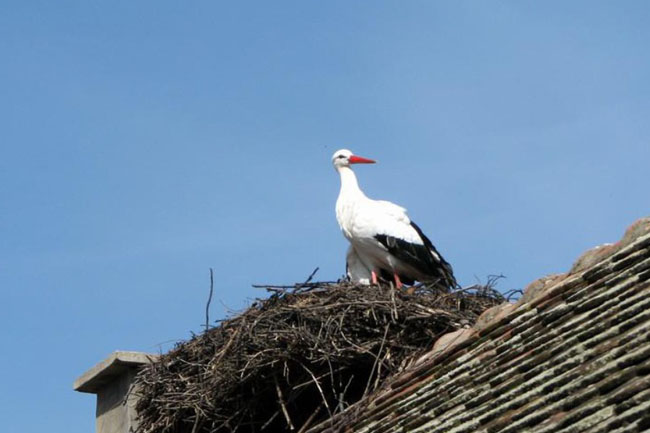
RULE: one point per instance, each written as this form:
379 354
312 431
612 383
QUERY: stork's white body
381 235
361 219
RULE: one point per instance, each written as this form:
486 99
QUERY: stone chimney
111 380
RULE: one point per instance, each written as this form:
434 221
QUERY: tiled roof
573 355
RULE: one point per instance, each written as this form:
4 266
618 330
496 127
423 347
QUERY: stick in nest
374 365
283 404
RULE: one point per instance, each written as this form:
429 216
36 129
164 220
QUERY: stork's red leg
398 282
374 277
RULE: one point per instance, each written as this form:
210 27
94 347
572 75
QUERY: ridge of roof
574 350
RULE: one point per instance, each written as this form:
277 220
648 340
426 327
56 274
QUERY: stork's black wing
425 258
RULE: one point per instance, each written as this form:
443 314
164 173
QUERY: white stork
383 240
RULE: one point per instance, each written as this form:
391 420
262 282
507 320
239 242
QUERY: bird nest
298 357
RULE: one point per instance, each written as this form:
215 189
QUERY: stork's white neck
349 183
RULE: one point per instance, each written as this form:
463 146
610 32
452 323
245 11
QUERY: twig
282 404
514 293
197 422
311 275
207 306
305 426
270 420
319 388
374 365
294 286
493 279
341 405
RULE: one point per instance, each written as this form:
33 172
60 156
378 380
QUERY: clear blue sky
144 142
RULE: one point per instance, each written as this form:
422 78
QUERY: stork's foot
398 282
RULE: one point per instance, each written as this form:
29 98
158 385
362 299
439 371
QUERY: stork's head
344 157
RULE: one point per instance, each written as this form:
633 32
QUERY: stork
355 269
383 239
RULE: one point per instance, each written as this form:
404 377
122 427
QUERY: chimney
111 380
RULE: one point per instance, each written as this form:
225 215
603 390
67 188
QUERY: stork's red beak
354 159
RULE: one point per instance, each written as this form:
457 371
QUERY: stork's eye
341 156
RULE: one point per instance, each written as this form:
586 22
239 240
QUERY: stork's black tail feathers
440 267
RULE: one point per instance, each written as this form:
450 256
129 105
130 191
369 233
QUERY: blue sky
145 142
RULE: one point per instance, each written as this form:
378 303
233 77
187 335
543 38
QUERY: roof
572 355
